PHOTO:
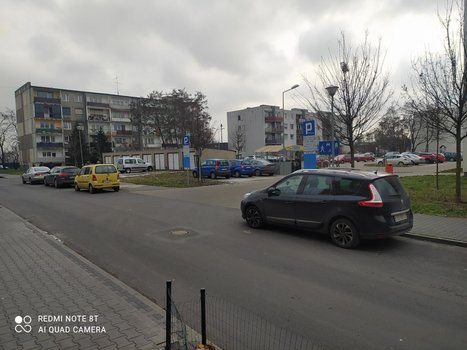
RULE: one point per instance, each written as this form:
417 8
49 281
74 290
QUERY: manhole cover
179 232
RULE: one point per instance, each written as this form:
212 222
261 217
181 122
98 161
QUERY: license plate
107 180
400 217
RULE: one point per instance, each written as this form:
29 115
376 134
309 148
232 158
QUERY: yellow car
96 177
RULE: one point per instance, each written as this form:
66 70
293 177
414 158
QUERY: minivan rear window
105 169
389 187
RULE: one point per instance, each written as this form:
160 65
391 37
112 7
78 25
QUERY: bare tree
238 138
363 89
8 132
439 82
418 128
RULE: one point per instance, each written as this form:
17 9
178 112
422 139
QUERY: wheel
344 234
227 177
56 184
30 181
237 173
76 187
24 181
250 175
91 189
253 217
270 174
45 183
257 172
212 175
195 174
128 170
116 188
400 163
380 163
150 168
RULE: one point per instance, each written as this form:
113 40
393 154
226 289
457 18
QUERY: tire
128 170
212 175
77 189
253 217
250 175
270 174
237 173
30 181
24 181
227 177
45 183
344 234
257 172
380 163
116 188
195 174
56 185
150 168
92 190
400 163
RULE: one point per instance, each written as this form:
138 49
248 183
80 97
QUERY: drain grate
179 232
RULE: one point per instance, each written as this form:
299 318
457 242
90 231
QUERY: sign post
186 155
309 147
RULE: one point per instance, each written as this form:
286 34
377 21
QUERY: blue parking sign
325 147
309 128
186 140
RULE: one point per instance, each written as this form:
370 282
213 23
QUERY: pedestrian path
52 298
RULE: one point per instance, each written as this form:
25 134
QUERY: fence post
168 316
203 316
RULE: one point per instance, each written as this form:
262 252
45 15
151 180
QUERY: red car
342 158
429 157
366 157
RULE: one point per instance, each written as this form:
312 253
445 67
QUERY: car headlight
246 195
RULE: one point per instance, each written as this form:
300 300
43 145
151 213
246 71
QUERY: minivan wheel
237 173
76 187
150 168
212 175
257 173
253 217
128 170
344 233
91 189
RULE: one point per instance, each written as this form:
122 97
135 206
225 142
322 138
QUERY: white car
397 159
132 164
415 159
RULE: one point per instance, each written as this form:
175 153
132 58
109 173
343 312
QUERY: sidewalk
440 229
52 298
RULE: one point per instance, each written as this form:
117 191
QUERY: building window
292 136
78 98
285 126
66 110
78 111
67 125
44 94
65 97
47 138
239 117
291 126
67 139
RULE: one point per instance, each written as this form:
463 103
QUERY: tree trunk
458 164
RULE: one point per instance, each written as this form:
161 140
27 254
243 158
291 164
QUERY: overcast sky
239 53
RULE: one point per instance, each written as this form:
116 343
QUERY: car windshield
72 171
41 169
389 186
105 169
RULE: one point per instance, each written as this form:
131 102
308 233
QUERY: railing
273 119
49 130
123 132
276 141
49 144
274 130
98 118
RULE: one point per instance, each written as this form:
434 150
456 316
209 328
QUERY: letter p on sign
309 128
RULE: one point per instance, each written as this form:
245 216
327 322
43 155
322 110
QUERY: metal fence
230 327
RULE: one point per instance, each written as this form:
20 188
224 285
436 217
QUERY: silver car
415 159
35 174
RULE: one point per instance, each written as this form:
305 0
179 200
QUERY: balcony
98 118
49 144
274 141
48 131
274 130
122 132
271 119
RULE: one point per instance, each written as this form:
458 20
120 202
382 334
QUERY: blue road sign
325 148
186 140
309 128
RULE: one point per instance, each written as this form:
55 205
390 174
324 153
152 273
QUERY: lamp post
332 91
283 116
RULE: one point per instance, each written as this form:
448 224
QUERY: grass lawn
426 199
178 179
11 172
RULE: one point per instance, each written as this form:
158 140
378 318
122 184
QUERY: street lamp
80 127
283 116
332 91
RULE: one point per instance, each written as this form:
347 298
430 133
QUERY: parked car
440 157
415 159
428 157
97 177
213 168
239 167
348 205
397 159
342 158
451 156
263 167
35 174
61 176
132 164
364 157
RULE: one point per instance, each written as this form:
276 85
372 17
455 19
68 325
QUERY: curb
434 239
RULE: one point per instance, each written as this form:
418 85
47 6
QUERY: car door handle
289 202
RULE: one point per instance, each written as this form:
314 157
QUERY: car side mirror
272 191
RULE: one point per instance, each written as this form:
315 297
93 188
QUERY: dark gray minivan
349 205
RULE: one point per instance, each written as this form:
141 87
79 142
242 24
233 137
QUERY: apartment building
47 115
265 125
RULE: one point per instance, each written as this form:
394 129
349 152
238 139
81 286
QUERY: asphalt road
393 294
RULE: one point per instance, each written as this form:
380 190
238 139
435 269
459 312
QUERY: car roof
352 173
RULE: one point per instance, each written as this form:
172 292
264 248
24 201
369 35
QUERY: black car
261 167
346 204
61 176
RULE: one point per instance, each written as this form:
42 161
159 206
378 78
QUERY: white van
133 164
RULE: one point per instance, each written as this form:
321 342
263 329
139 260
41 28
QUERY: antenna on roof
116 82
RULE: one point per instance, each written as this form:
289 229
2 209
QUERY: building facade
265 125
46 117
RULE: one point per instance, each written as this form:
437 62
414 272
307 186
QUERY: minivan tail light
375 202
94 178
